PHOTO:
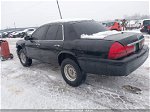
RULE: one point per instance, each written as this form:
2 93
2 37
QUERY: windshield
146 22
109 24
88 27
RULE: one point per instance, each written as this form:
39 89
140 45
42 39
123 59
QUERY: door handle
57 45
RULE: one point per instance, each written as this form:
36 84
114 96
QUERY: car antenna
59 9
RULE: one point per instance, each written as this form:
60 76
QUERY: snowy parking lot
41 86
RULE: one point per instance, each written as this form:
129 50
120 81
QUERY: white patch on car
99 35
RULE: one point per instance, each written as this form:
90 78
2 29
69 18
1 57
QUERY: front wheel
11 56
72 73
25 61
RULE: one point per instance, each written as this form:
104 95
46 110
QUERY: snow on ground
41 86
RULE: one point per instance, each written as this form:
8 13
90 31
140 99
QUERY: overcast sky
35 13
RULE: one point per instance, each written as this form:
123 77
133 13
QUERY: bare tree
137 16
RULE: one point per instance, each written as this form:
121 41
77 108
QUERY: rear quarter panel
88 48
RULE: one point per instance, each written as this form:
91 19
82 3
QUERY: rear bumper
114 67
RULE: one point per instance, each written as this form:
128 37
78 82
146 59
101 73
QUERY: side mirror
27 38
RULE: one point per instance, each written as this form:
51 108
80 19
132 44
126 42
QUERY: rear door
33 46
52 43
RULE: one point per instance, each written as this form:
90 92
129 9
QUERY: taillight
130 49
117 51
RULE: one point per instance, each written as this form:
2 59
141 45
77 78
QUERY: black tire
11 56
79 77
27 61
2 58
148 31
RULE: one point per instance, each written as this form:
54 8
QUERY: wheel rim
23 57
70 72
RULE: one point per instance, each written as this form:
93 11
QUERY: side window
31 30
39 34
59 35
51 33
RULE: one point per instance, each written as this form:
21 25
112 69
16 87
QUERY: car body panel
125 38
121 67
49 50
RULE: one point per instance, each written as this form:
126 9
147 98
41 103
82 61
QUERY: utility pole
59 9
14 25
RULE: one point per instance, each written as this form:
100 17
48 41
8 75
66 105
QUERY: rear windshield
146 22
88 27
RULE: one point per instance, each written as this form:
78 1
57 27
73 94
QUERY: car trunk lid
125 38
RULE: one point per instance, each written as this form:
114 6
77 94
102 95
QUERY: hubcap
70 72
23 57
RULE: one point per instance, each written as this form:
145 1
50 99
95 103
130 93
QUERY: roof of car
68 20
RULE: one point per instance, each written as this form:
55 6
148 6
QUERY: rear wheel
148 31
72 73
25 61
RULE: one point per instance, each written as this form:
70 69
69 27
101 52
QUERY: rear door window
39 34
52 32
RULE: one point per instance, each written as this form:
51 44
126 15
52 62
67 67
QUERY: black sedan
84 46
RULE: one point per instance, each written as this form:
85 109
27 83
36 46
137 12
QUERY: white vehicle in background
12 35
134 24
29 31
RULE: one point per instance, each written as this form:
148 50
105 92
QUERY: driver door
33 45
